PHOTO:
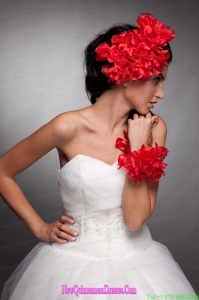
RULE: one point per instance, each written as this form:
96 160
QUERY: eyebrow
163 78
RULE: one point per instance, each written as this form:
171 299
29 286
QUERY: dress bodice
91 192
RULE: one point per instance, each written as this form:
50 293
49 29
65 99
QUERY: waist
106 236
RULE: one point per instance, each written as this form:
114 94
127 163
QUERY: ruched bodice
91 192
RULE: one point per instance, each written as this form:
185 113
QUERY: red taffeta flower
146 163
136 54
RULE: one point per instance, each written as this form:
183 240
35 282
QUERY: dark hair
95 81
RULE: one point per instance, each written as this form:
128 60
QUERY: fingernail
73 239
72 220
75 233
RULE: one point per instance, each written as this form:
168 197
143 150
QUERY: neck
111 111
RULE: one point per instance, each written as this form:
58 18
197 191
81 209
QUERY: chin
144 112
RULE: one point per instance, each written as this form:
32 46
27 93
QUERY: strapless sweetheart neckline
96 159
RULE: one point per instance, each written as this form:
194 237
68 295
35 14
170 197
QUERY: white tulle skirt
47 273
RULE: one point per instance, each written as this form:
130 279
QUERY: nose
160 91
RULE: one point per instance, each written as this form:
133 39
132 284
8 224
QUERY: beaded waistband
105 236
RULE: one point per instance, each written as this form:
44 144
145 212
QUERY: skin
143 93
87 131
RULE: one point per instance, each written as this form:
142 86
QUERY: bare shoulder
159 132
65 124
51 135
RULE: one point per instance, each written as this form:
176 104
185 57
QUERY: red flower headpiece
136 54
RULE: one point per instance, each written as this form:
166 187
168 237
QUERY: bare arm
139 199
23 155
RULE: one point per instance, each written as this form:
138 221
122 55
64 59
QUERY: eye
157 79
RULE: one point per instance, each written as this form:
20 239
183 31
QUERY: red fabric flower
136 54
146 163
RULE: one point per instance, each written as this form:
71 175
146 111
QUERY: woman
101 244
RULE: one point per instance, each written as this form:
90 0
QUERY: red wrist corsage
146 163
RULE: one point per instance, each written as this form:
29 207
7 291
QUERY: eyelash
158 79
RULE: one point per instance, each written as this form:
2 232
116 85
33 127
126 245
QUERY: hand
58 231
139 129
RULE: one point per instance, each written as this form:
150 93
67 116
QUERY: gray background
41 76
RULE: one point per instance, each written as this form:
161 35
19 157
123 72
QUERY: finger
154 122
71 220
64 236
148 115
65 218
135 116
65 228
54 237
60 241
154 118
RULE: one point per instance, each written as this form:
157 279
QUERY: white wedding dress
105 255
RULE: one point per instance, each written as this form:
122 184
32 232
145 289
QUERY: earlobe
125 84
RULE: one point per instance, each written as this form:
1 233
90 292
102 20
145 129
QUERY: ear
125 83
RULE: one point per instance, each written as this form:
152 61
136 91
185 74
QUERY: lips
152 104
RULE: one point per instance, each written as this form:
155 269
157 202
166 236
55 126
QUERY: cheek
144 94
147 91
139 93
